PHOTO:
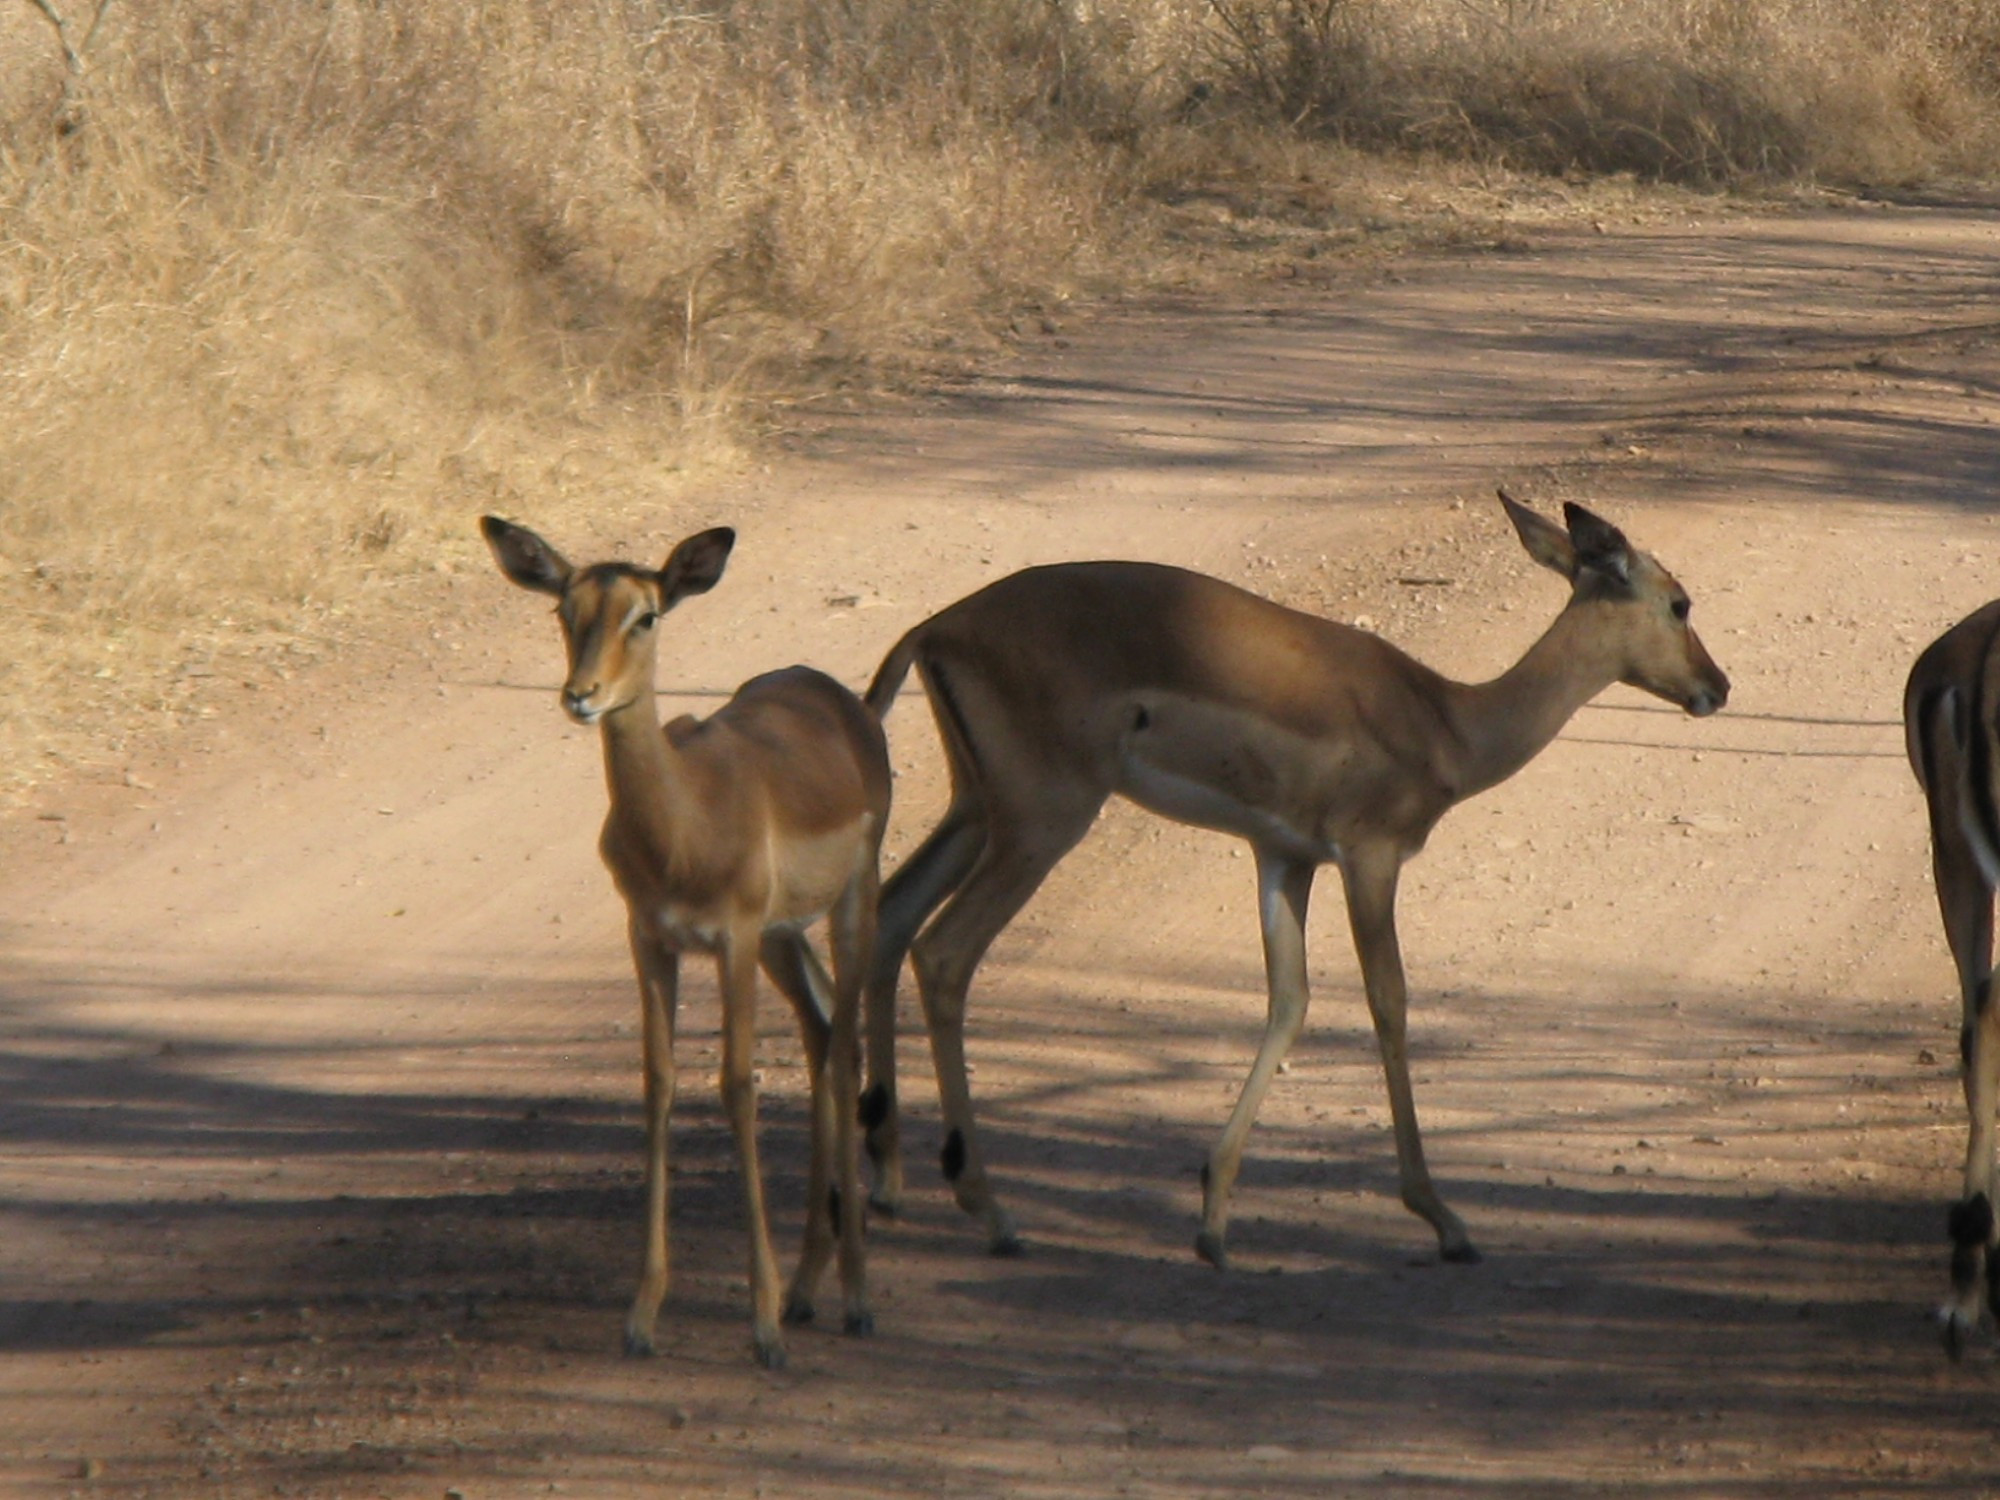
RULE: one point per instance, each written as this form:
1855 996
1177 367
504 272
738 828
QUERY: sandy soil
320 1086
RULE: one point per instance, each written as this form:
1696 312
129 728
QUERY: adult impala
1948 719
1317 742
728 836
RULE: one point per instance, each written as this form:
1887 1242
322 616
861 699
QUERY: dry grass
287 293
303 287
1692 91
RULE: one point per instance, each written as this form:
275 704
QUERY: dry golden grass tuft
1690 91
288 293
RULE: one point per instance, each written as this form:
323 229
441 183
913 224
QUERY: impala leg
908 898
659 981
1283 888
796 972
851 928
737 964
1371 875
1016 859
1967 907
1976 1236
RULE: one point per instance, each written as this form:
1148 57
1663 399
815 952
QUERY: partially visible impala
1949 720
1316 742
728 836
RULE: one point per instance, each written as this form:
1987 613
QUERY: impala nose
576 703
1707 700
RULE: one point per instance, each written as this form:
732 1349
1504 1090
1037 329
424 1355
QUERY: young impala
728 836
1316 742
1949 711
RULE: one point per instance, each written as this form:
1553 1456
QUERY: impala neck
642 771
1505 723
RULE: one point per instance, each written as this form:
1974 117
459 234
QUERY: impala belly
803 875
813 869
685 928
1297 795
1231 772
1191 802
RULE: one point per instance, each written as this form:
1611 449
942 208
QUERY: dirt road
320 1085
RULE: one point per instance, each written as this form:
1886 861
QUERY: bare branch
76 58
71 59
96 21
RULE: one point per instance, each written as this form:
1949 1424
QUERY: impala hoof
860 1324
1958 1332
770 1350
1208 1245
638 1344
1002 1238
797 1310
1460 1255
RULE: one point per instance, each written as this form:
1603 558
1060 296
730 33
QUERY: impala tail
881 694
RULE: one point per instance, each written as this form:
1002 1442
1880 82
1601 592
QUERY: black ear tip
720 542
492 527
1576 518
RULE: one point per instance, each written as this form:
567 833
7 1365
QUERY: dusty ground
320 1094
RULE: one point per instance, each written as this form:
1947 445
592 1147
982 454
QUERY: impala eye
646 621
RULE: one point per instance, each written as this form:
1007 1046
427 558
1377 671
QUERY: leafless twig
76 56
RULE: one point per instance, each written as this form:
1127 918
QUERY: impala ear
525 557
1600 546
1546 542
696 565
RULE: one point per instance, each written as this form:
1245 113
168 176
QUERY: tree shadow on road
489 1239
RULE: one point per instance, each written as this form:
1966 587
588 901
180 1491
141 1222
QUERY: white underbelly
686 930
1186 800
